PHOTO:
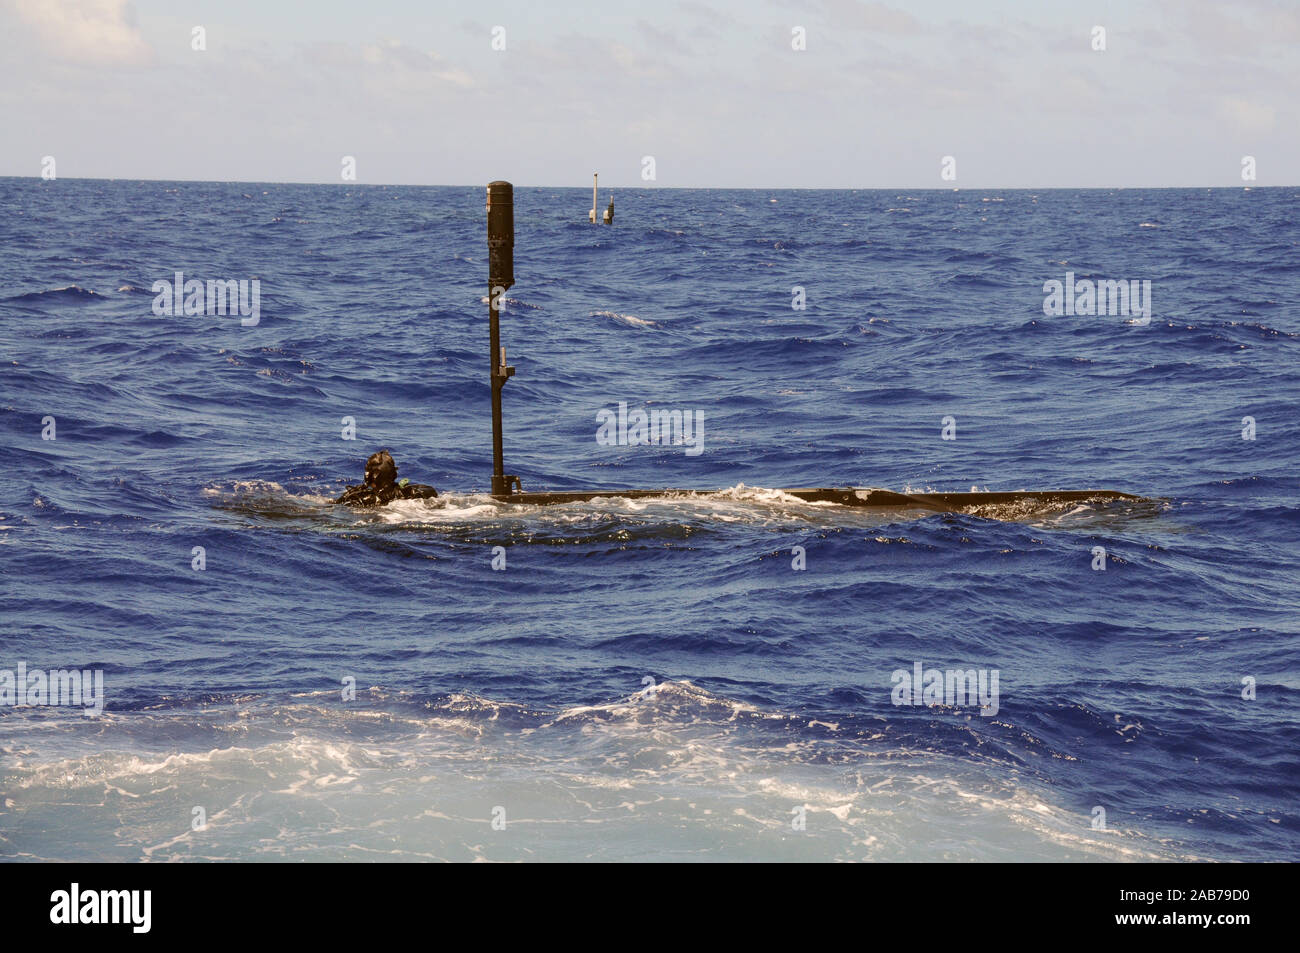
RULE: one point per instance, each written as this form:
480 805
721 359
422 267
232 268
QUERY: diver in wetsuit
381 485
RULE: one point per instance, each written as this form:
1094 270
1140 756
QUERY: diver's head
381 471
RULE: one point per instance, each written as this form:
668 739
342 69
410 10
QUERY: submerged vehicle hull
870 497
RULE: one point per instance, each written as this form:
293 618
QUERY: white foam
629 319
675 773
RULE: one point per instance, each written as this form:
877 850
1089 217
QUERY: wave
628 319
670 771
512 303
71 293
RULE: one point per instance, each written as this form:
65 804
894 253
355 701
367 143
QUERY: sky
714 90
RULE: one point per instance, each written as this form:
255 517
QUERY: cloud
663 41
415 66
386 66
872 17
1247 115
1244 29
86 32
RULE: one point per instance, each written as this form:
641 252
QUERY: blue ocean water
651 679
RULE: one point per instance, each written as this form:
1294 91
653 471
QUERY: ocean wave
67 293
628 319
670 771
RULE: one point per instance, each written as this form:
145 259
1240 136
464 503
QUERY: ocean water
650 679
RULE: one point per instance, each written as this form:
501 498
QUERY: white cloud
388 62
1247 115
87 32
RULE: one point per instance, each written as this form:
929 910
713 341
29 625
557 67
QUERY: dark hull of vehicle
851 496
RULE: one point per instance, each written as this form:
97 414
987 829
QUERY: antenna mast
501 275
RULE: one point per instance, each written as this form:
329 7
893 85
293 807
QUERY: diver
382 486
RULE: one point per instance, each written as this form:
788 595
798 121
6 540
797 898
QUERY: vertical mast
501 275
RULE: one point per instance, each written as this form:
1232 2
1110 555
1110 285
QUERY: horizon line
680 188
